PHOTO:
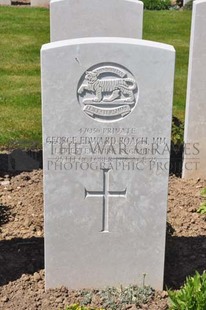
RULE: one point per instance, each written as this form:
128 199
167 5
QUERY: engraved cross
105 194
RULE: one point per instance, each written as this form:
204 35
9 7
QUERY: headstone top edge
109 40
196 2
135 1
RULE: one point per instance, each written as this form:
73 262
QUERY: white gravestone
186 1
70 19
5 2
40 3
194 165
107 108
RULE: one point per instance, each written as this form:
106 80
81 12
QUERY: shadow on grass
184 255
19 256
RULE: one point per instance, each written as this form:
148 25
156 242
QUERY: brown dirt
22 243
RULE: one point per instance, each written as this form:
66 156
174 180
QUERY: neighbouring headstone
107 107
186 1
5 2
40 3
71 19
194 164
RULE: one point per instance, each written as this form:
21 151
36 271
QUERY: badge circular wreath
107 92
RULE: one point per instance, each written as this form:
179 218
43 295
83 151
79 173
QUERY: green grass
172 27
24 30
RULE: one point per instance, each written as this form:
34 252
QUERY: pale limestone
40 3
194 165
70 19
185 1
5 2
91 240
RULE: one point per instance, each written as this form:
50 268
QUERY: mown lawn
172 27
24 30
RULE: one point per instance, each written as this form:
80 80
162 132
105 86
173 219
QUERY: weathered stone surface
107 106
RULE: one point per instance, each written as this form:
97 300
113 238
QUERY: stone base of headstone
40 3
5 2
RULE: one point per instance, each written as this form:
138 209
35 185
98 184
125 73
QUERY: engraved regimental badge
107 93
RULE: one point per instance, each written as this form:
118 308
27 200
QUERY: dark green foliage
157 4
177 132
179 3
191 296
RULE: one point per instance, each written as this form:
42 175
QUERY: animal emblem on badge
107 93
